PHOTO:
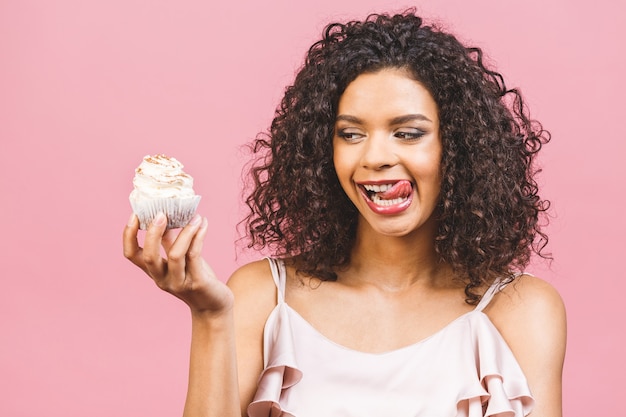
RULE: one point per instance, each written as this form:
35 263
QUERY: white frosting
159 176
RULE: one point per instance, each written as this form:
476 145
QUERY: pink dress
465 369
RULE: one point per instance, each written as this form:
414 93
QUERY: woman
395 190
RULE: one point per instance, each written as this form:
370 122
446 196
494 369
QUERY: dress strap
488 295
280 277
496 287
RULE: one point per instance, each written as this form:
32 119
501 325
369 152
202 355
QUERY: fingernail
195 220
159 219
131 220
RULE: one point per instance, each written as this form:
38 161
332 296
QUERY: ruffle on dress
281 371
501 389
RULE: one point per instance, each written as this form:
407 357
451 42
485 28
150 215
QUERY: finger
169 238
132 251
154 262
195 248
195 263
177 254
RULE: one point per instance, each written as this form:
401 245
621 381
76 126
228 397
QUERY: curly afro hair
489 209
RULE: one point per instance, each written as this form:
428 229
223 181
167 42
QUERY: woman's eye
349 136
409 135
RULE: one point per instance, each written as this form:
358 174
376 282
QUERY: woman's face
387 150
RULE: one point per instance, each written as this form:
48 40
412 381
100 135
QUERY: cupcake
161 185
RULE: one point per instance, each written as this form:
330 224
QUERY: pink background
89 87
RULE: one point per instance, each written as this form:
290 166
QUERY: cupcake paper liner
179 211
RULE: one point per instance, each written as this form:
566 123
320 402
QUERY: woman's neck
396 263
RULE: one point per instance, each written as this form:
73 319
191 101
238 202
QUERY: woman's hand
182 272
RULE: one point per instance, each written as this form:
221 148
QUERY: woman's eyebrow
409 118
395 121
348 118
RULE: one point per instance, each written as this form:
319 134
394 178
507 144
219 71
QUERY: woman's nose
378 153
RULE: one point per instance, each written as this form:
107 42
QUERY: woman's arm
255 298
530 315
213 389
213 383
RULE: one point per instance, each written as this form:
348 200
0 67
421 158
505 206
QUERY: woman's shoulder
251 271
527 308
526 298
253 281
255 296
530 314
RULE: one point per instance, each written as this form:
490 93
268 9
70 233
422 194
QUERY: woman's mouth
387 198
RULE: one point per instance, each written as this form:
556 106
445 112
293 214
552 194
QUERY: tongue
401 189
